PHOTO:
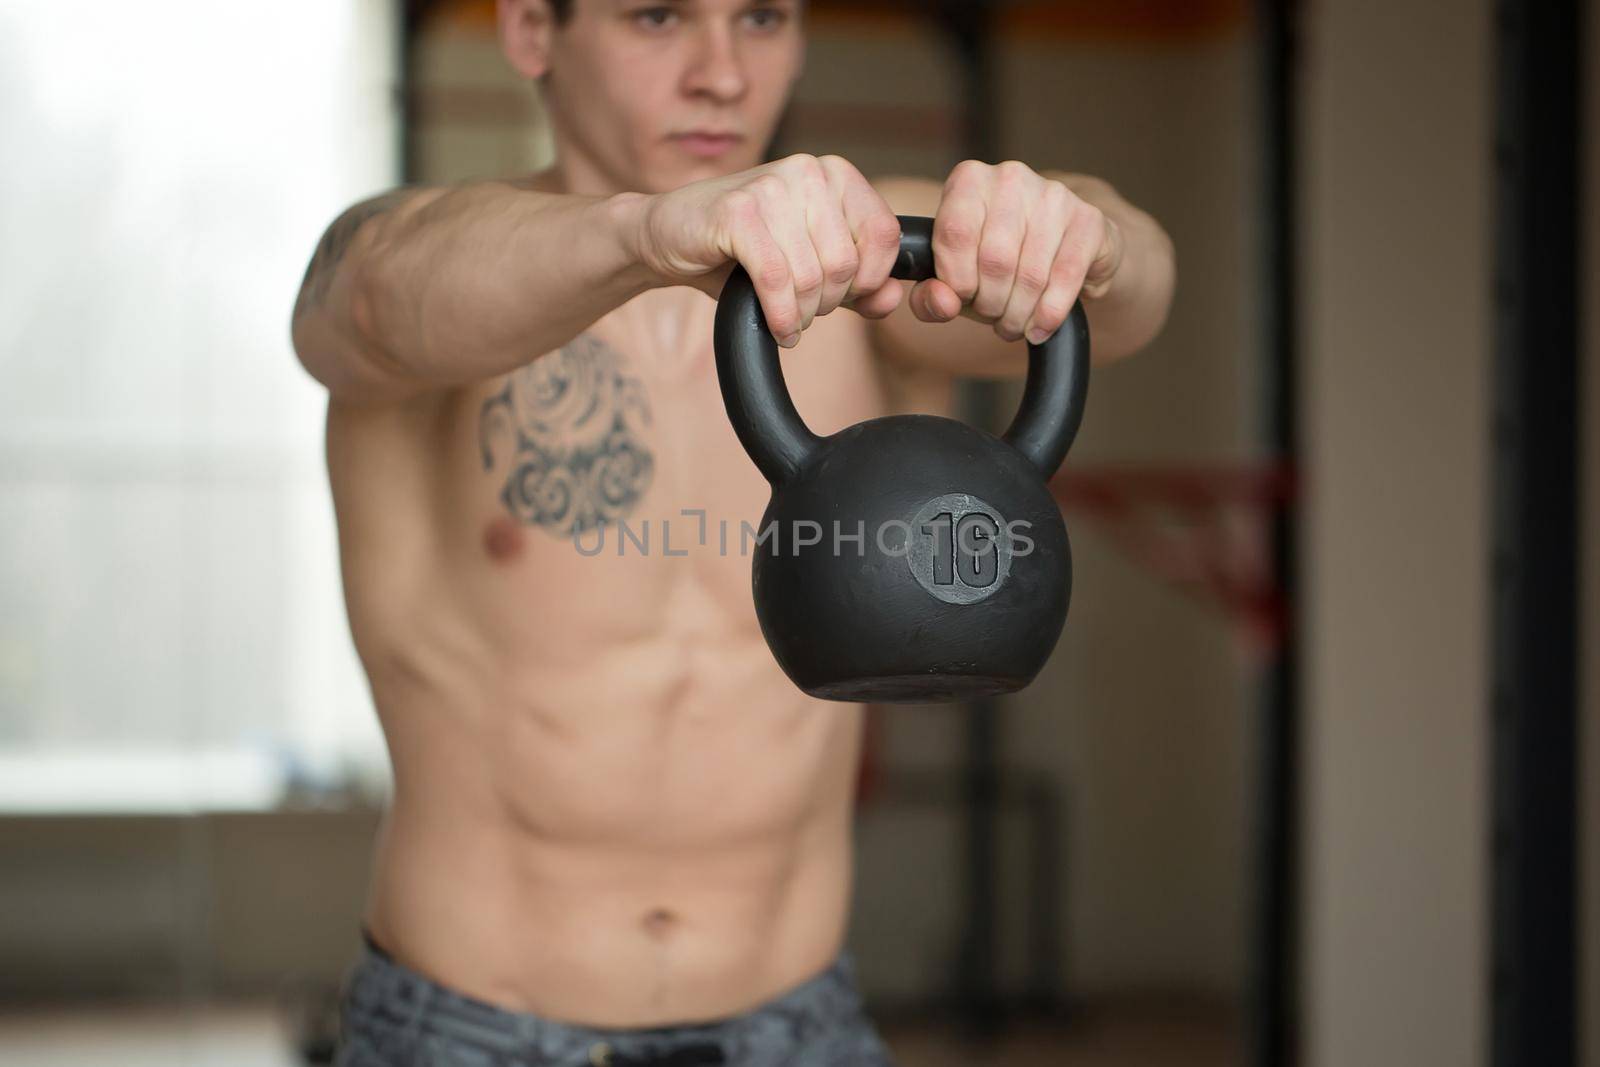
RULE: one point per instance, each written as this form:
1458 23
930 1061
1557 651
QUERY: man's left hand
1016 249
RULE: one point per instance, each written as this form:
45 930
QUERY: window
171 627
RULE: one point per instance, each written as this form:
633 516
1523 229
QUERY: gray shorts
394 1017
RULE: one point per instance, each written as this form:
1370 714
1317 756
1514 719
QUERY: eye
653 18
766 19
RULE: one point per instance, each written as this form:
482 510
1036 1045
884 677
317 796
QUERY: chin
667 178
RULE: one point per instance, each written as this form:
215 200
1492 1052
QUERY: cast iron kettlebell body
910 558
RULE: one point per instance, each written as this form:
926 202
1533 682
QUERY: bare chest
602 485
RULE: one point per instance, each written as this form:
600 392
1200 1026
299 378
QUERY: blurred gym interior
1301 783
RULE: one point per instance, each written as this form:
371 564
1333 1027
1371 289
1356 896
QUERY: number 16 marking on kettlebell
976 538
958 552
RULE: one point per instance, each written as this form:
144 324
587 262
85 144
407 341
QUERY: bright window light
171 628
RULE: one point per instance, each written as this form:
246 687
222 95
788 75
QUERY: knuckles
807 281
1072 262
997 263
1050 313
1087 218
768 187
1056 195
842 269
804 167
883 230
772 274
837 166
1011 177
956 234
967 172
1032 278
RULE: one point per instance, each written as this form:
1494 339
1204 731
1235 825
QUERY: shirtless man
619 834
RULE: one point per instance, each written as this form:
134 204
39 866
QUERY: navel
659 922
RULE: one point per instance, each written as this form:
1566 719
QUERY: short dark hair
562 9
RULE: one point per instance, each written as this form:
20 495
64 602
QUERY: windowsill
163 782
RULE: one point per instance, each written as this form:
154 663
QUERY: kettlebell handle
778 440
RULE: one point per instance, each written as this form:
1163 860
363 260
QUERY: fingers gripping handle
771 430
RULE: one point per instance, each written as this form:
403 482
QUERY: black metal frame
412 15
1273 982
1536 556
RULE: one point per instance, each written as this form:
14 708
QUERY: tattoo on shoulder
572 425
336 242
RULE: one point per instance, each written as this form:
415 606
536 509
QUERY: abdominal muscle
655 832
611 806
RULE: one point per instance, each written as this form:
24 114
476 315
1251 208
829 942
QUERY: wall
1397 331
1142 715
191 906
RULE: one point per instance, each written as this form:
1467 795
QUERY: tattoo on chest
569 430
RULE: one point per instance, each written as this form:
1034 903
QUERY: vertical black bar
413 14
1534 568
1044 802
969 27
1273 982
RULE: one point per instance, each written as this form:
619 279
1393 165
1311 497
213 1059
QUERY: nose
716 70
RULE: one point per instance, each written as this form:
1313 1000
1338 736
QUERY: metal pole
413 15
1274 973
1533 572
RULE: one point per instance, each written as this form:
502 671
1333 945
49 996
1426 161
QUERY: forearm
435 287
1134 307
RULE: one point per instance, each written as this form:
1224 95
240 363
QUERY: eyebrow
691 3
798 7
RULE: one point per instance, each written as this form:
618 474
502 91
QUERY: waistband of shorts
829 997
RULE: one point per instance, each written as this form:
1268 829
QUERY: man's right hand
811 231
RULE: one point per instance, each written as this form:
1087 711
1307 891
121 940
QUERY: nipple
503 539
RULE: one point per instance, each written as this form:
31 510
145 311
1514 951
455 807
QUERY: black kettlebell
910 558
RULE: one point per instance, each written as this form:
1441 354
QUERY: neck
571 174
577 171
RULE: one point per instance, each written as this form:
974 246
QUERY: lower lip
706 147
